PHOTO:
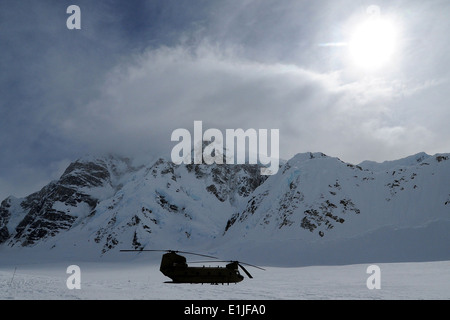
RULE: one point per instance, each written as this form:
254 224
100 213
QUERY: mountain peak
392 164
309 156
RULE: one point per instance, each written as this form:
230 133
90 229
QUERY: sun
373 43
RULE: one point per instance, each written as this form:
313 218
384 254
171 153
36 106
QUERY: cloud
163 89
134 73
169 88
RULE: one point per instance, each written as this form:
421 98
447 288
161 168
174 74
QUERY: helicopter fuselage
175 267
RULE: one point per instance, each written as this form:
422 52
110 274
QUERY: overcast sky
137 70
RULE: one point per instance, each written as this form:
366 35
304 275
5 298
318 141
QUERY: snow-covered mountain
316 209
319 209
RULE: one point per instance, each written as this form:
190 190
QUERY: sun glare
373 43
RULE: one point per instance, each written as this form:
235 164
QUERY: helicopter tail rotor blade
245 270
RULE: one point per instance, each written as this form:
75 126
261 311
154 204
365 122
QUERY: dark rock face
42 219
51 210
227 180
4 218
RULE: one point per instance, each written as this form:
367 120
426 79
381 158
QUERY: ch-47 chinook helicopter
176 268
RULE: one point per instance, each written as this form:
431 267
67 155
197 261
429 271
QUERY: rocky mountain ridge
102 204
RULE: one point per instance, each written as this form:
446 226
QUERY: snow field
142 281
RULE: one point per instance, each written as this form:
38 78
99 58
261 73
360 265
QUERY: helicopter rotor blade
142 250
251 265
139 250
238 263
196 254
241 263
174 251
205 261
245 270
